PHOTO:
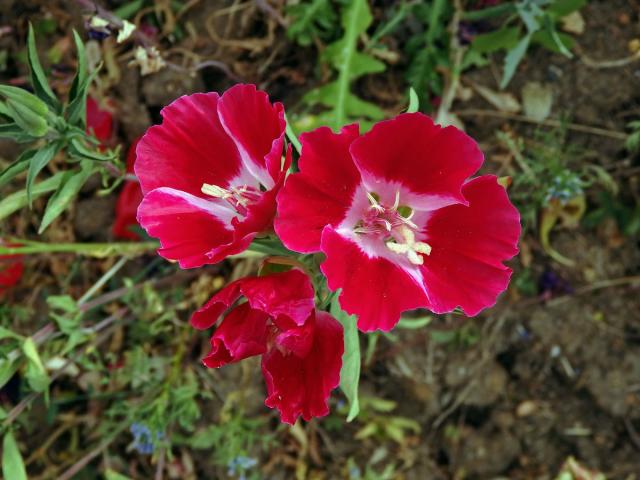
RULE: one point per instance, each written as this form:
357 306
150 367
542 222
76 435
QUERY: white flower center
393 226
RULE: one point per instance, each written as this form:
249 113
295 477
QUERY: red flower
11 268
301 348
128 201
210 174
398 221
99 122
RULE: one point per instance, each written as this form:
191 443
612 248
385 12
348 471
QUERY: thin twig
475 112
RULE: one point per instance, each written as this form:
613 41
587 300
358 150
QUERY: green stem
97 250
293 138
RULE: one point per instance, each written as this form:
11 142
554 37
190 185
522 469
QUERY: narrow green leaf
13 131
79 150
76 110
30 122
513 59
39 160
81 73
129 9
293 138
38 77
18 200
504 38
350 372
69 188
21 96
17 167
414 102
12 463
36 373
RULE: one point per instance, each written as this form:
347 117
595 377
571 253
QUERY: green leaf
12 463
551 41
36 373
310 20
38 78
76 110
28 121
19 199
62 302
414 102
17 167
562 8
21 96
356 18
350 372
503 39
6 333
71 184
14 132
81 73
78 149
129 9
7 370
414 323
113 475
513 59
39 160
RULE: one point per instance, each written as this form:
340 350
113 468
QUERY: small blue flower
239 465
143 438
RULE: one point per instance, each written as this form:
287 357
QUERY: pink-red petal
11 269
288 294
186 228
373 288
301 386
469 244
321 192
188 149
257 127
242 334
412 151
207 315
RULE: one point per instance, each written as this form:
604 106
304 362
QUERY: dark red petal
186 229
127 204
374 289
208 314
188 149
242 334
256 126
301 386
469 244
11 269
99 122
321 193
427 159
287 293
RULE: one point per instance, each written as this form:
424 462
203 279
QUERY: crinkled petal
410 150
188 227
242 334
321 192
468 246
288 294
257 127
127 204
188 149
99 121
301 386
373 288
207 315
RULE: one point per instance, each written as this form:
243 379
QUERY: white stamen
396 203
215 191
408 246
